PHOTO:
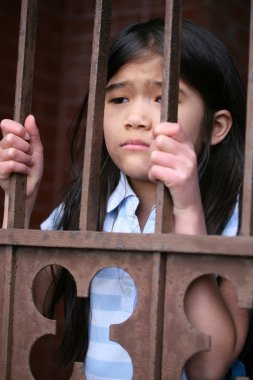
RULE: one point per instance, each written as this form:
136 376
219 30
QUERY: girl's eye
158 99
119 100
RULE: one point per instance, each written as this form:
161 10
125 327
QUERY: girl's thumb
32 129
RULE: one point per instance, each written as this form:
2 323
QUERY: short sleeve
232 225
51 222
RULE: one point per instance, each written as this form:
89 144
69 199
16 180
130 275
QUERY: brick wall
63 58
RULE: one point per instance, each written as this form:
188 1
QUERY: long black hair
207 66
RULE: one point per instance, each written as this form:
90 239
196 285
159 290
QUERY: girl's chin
138 177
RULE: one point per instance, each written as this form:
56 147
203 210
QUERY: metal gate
158 332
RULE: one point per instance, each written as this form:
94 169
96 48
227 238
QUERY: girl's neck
146 192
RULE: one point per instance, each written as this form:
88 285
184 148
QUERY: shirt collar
122 191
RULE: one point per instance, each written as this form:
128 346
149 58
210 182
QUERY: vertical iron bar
94 132
169 108
156 328
16 211
7 261
23 100
247 211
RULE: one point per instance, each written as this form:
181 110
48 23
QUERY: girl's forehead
147 65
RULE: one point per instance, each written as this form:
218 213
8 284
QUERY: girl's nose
138 117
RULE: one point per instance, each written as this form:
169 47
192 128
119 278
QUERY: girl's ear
221 126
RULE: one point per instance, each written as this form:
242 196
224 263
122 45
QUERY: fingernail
27 136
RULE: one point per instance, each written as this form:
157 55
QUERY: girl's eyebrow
115 86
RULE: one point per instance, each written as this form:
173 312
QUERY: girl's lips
135 145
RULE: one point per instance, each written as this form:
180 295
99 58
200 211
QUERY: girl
198 159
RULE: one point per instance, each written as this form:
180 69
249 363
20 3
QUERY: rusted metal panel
180 339
135 334
23 100
140 334
94 132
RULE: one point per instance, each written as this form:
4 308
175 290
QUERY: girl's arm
21 152
220 317
212 310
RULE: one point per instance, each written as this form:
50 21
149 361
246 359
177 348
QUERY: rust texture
169 99
95 116
158 336
181 271
83 265
23 100
7 279
247 222
221 245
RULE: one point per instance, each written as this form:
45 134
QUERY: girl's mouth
135 144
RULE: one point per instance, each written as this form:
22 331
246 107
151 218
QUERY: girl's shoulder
51 222
231 228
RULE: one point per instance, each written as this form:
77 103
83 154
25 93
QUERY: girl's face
132 108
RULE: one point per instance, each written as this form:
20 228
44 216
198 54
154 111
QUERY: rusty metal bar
169 108
16 207
210 245
23 100
7 271
94 132
247 206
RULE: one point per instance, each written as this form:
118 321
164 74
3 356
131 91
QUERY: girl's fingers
13 141
10 126
173 155
173 161
173 131
185 164
9 167
159 173
16 146
184 188
167 129
13 154
169 144
21 152
171 177
32 129
37 148
21 137
162 159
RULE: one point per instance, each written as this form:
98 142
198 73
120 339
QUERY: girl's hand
173 161
21 152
